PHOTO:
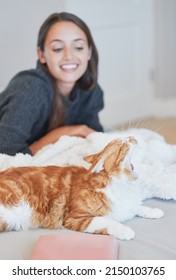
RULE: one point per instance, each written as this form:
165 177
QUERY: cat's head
115 159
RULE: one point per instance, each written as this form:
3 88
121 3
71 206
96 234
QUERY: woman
60 97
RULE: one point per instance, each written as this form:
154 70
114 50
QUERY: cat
72 197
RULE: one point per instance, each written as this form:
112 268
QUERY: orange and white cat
71 197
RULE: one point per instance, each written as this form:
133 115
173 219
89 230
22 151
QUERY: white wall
164 100
20 21
165 12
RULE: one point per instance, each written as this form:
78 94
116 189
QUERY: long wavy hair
86 82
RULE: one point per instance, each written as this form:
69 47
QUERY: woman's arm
24 110
54 135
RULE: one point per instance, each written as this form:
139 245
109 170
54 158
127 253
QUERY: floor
166 127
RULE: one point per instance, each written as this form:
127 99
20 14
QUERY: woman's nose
68 53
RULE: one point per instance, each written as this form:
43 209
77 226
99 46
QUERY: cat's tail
16 217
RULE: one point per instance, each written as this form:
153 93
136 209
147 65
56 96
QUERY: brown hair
88 79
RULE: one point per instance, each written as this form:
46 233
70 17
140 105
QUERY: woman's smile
69 67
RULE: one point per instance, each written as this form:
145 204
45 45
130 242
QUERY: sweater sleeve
24 113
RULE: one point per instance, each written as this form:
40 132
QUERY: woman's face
66 54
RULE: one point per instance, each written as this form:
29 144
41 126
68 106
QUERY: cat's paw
150 213
155 213
124 233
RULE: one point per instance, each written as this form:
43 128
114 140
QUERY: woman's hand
55 134
78 130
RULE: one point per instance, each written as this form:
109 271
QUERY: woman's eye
58 50
79 48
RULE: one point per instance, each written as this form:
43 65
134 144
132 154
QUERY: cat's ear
91 158
95 160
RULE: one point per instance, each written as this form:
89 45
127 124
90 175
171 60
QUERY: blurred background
136 40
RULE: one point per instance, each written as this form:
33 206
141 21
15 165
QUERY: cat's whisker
143 122
137 125
122 127
126 124
158 128
147 122
130 123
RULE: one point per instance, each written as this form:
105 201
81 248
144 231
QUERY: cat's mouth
130 163
133 171
132 166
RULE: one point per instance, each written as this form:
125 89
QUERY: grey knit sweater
25 106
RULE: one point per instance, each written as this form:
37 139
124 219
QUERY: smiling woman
60 97
66 53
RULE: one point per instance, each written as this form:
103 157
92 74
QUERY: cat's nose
132 140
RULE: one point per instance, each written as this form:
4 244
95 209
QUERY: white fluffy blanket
154 159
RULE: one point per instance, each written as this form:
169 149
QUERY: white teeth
69 66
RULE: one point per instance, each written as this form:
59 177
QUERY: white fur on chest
126 199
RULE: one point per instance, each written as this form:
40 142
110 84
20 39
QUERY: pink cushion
81 246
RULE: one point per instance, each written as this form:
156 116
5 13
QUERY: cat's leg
150 213
3 226
104 225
